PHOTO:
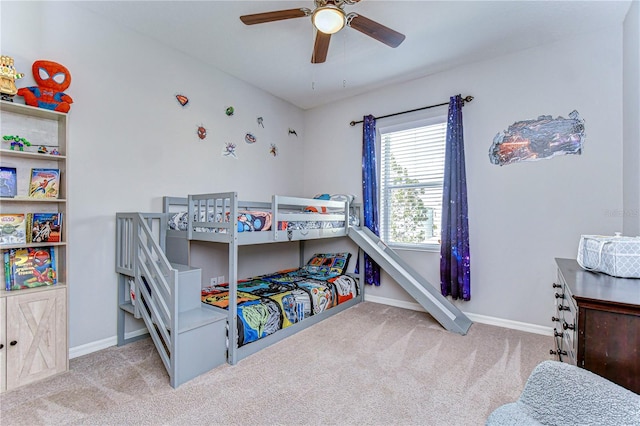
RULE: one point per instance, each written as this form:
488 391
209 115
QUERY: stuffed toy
8 76
52 79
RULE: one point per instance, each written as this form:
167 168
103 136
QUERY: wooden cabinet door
36 336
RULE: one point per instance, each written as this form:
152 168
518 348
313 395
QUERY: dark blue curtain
455 273
370 193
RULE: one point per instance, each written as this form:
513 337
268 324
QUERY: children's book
6 254
30 267
12 229
8 182
44 183
44 227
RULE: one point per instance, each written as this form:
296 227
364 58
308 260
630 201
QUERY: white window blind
412 169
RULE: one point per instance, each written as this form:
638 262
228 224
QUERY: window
411 179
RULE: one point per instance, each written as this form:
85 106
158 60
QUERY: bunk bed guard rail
214 217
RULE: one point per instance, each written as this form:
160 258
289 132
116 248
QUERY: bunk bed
153 249
209 217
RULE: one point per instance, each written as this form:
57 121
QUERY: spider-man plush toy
52 79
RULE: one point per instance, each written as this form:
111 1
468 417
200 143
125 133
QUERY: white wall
523 215
131 142
631 126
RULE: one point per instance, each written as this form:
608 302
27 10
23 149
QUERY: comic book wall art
230 150
201 132
250 138
183 100
542 138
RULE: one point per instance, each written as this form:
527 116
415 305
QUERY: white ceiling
276 56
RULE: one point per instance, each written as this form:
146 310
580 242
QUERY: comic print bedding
268 303
248 220
254 221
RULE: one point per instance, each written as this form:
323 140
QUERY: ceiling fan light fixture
328 19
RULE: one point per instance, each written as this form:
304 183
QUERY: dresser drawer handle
552 352
566 326
563 308
559 296
556 333
557 285
555 319
13 342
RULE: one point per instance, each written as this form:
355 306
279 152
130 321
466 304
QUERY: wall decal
539 139
250 138
260 121
229 111
273 150
182 100
230 150
292 132
201 132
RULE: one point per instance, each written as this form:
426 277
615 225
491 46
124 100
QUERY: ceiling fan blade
278 15
375 30
320 47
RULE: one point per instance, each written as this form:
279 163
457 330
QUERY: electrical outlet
221 279
213 281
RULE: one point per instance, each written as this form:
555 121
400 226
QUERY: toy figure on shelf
8 76
52 79
16 142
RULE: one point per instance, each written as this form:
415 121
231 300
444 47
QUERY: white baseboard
483 319
98 345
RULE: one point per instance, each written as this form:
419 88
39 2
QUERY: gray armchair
557 393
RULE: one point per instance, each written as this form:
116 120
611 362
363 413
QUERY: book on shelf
13 228
45 183
8 182
44 227
29 267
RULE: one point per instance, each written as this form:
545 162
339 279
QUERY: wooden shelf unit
34 321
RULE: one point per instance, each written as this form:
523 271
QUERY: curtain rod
465 99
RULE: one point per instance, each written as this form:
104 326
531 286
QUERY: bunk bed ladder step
200 338
413 283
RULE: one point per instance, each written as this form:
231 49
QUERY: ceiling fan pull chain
344 58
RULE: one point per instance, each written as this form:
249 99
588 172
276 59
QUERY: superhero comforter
268 303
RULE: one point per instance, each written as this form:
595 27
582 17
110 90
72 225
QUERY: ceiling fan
328 18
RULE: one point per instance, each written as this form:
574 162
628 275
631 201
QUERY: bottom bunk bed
268 303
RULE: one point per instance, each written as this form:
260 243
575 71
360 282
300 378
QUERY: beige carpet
369 365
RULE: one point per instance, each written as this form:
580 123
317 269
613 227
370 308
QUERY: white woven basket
614 255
